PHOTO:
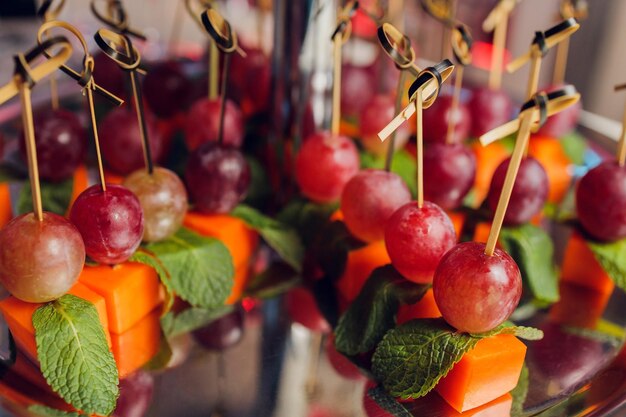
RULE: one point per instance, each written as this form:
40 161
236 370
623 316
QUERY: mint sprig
43 411
191 319
533 251
412 358
74 356
148 258
373 312
199 269
612 258
280 237
55 197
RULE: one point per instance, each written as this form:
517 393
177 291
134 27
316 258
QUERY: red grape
167 89
529 194
436 120
324 164
40 260
109 75
163 200
601 201
374 116
60 140
303 309
222 333
357 88
476 292
369 199
250 80
449 172
416 239
489 109
217 177
203 123
120 141
110 222
135 395
562 123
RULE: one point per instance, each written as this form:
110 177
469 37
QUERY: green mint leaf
275 280
533 250
412 358
74 356
388 403
200 268
574 145
403 164
374 310
306 218
259 189
43 411
191 319
520 392
55 197
283 239
147 258
612 258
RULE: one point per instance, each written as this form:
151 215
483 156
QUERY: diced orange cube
550 153
500 407
6 212
458 220
488 158
360 264
426 308
481 232
81 182
112 178
131 291
337 215
242 277
349 128
240 240
19 317
485 373
580 267
137 345
579 306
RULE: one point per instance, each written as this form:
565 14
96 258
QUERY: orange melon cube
240 240
242 277
426 308
112 178
487 160
580 267
500 407
360 264
19 317
6 212
81 182
549 152
579 306
485 373
131 291
481 233
458 220
137 345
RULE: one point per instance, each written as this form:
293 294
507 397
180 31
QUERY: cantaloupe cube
580 267
488 158
360 264
485 373
6 212
240 240
242 277
579 306
426 308
131 291
550 153
137 345
458 220
19 317
481 232
81 182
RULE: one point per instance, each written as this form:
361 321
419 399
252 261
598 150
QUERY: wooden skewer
497 57
509 181
94 126
533 80
560 64
54 92
31 150
336 111
420 148
214 63
621 146
456 98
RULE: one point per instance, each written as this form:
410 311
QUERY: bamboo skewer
420 147
336 109
497 22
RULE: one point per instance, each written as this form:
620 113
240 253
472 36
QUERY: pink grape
163 200
110 222
324 165
369 199
489 109
167 89
40 260
601 201
416 239
436 120
529 194
121 144
476 292
374 116
357 89
203 122
449 172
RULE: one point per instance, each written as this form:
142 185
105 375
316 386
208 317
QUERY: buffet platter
324 224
